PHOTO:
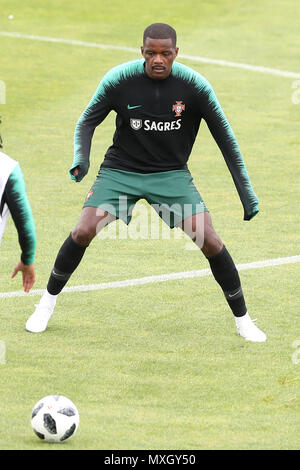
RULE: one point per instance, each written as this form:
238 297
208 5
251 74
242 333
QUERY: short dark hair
160 31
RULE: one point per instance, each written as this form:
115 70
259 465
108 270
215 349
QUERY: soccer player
14 201
159 104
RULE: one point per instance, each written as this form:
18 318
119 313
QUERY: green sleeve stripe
115 76
97 109
23 219
222 133
186 73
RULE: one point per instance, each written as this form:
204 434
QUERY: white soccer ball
54 418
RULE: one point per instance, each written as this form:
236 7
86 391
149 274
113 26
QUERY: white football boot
248 330
38 321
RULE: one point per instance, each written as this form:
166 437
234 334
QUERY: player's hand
75 171
250 215
78 172
28 274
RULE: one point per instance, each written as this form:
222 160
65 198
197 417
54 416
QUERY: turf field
155 366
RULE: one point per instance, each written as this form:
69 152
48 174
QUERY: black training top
157 123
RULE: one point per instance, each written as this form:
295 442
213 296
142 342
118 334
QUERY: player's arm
227 143
92 116
17 201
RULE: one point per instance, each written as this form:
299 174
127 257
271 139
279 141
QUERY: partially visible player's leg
200 228
92 220
112 196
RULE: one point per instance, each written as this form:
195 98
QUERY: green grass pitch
158 366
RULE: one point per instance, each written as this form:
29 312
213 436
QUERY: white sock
48 299
240 320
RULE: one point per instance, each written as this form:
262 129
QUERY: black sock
67 260
227 276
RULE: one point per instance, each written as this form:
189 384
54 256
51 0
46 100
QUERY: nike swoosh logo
57 274
133 107
233 295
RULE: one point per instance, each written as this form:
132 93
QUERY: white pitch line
207 60
158 278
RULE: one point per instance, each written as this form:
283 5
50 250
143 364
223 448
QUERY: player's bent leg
92 220
71 253
200 228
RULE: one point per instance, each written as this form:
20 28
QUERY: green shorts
172 194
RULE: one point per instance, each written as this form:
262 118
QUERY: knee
83 235
212 244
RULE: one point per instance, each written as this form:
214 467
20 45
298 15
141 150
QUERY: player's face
159 55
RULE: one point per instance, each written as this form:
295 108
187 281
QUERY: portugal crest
136 124
178 107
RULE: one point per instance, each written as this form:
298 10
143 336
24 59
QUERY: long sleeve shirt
14 200
157 122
